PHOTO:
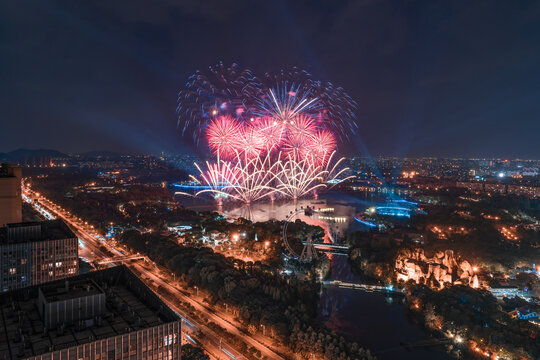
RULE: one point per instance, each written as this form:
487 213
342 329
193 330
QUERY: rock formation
442 269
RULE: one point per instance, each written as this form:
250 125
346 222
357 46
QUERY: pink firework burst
251 144
270 131
321 145
301 125
223 136
297 146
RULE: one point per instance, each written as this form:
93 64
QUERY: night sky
432 78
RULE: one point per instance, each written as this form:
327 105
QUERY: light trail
213 343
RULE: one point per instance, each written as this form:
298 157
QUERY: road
211 314
90 248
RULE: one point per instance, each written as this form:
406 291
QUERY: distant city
412 233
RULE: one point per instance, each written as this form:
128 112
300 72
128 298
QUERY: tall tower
10 194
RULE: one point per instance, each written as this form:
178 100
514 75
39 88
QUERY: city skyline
430 79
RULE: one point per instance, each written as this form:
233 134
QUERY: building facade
101 315
10 194
34 253
160 342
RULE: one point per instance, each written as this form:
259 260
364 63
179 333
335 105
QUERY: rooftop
9 171
70 290
130 306
35 231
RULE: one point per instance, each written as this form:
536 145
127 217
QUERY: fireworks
245 179
271 132
224 136
238 93
299 178
271 137
321 146
284 104
249 179
222 90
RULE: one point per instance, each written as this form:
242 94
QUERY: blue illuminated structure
200 187
365 222
394 211
399 208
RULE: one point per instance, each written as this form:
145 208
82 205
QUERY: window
168 340
23 261
12 271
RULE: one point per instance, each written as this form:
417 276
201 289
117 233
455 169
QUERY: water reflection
374 320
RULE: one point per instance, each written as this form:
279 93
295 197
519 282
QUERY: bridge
363 287
121 259
330 248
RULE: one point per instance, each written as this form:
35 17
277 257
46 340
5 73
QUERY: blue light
367 223
185 186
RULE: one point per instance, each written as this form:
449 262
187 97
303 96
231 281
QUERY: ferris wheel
308 252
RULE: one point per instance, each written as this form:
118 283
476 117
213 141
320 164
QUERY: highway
89 244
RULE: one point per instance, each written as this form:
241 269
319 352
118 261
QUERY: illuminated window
58 264
12 271
23 261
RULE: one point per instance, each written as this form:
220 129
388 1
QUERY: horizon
209 155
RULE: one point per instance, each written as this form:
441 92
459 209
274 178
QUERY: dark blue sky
432 78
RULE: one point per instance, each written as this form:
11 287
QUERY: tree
190 352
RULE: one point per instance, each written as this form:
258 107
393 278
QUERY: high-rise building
10 194
106 314
33 253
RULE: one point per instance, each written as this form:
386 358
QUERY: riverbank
375 320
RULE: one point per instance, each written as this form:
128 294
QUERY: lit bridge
121 259
363 287
330 248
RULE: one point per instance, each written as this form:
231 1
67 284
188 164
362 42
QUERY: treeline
190 352
286 307
477 317
235 341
